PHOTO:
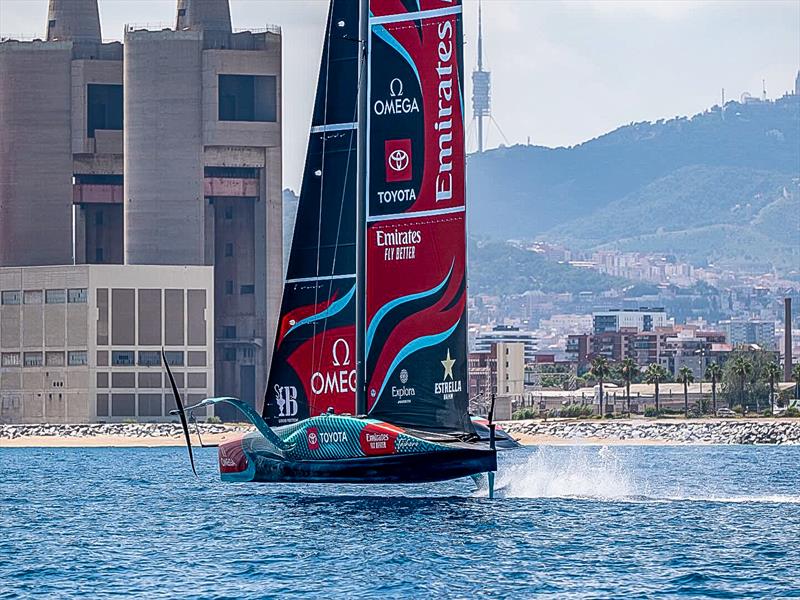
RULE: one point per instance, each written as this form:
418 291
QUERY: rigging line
496 124
329 32
353 136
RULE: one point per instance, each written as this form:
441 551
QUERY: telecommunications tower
481 87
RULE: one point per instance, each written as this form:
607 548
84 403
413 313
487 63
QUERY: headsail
415 339
313 365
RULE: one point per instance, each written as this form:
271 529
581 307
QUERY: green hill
705 188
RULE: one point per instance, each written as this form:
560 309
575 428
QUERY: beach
629 432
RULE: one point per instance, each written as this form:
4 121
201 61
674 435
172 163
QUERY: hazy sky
562 71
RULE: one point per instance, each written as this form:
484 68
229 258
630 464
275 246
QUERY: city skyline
695 48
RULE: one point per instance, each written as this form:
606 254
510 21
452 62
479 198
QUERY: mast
361 208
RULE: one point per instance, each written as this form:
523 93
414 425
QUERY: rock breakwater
679 432
127 430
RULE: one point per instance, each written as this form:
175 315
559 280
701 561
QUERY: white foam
577 473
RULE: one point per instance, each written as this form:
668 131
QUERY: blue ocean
588 522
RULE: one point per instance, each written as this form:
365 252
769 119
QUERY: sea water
624 522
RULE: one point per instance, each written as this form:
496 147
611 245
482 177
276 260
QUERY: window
149 358
228 249
229 212
55 296
33 359
181 12
98 255
248 289
11 297
98 217
122 358
229 354
77 358
103 107
76 296
33 297
10 359
228 287
248 98
174 358
54 359
229 332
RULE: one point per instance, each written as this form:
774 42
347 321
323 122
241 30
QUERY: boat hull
408 468
349 450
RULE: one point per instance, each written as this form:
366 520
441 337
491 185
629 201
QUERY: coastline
552 432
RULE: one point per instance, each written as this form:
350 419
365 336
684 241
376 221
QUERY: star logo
448 363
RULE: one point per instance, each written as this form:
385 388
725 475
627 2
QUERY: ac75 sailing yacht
368 381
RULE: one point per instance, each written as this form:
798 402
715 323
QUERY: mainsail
313 365
410 230
416 349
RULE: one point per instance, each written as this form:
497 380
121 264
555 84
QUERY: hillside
498 268
708 181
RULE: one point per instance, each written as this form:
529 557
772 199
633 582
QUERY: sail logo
398 244
396 103
444 120
403 394
338 380
286 399
398 160
447 389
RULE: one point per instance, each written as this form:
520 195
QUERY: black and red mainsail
409 230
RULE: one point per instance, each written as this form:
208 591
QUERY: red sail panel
313 362
415 343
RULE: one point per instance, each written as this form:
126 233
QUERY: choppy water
720 522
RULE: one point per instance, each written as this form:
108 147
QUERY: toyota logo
312 438
398 160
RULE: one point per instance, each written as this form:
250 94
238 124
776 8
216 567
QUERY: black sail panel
313 365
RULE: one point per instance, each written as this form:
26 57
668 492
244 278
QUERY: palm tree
685 376
796 377
773 373
714 373
600 371
742 368
628 369
655 374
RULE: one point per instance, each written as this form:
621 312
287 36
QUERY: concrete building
484 340
740 332
500 370
197 111
82 343
640 319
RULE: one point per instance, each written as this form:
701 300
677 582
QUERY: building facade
639 319
83 343
163 151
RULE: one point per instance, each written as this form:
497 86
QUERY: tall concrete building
198 182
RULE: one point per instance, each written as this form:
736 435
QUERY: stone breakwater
128 430
683 432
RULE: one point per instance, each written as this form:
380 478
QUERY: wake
597 474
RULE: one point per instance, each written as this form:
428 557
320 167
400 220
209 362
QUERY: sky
563 71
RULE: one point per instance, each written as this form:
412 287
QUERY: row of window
58 296
74 358
244 290
147 358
